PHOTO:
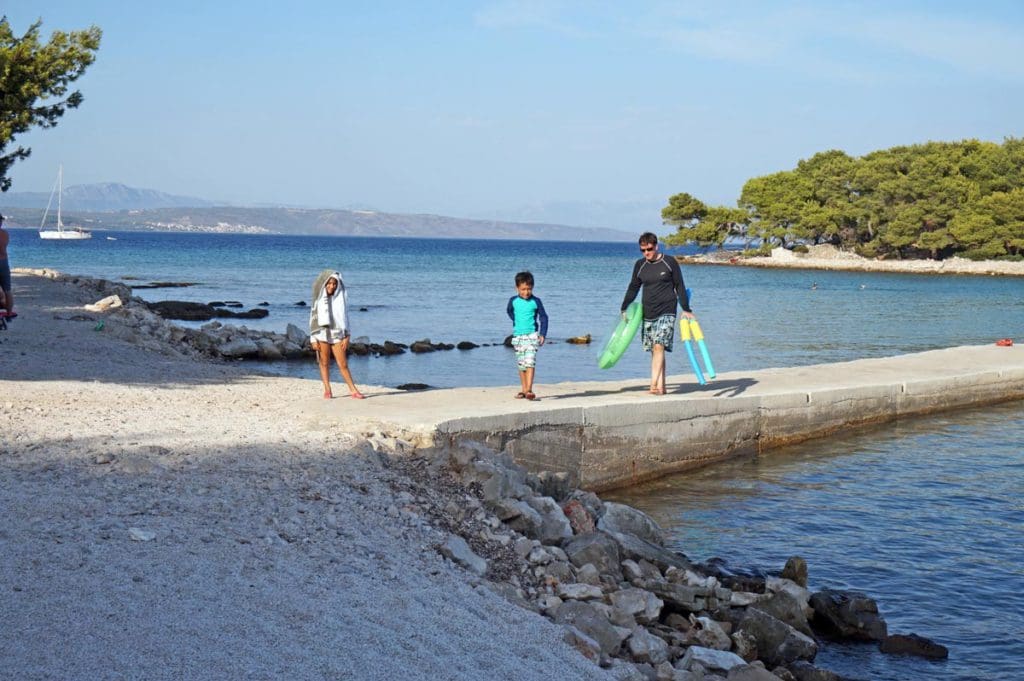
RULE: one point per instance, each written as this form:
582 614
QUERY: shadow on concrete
732 388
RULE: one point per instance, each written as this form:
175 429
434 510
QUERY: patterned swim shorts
661 331
526 350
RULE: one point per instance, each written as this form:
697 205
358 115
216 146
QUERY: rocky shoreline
137 321
598 570
827 257
603 572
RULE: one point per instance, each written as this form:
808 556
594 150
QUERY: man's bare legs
658 369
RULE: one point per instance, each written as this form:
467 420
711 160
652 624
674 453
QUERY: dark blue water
926 516
454 290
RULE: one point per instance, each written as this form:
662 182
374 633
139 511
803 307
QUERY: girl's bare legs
339 350
323 359
658 369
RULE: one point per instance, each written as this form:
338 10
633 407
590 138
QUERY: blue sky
514 108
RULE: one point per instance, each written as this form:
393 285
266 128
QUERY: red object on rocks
1004 342
579 518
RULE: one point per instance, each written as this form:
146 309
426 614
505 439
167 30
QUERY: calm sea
453 290
925 516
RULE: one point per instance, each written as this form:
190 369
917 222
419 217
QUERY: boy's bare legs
658 369
528 380
323 360
339 350
523 383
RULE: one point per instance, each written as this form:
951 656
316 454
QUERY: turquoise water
454 290
925 516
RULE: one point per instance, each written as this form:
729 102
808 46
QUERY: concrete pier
614 434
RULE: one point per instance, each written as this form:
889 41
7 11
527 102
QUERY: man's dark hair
649 239
524 278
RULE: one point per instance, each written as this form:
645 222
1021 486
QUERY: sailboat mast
60 193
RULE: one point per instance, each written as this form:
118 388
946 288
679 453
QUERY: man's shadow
729 388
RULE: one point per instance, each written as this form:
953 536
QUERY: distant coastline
826 257
315 222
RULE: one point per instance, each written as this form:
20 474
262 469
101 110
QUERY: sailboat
61 231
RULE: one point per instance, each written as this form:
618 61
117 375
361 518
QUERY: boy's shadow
730 388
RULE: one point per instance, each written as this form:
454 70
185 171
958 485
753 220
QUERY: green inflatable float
621 337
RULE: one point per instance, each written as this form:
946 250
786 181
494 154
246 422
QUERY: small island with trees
938 201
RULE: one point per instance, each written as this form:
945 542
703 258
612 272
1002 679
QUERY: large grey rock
597 548
555 527
638 549
640 603
716 661
777 642
456 549
528 522
783 606
623 519
647 648
240 348
296 335
848 614
593 623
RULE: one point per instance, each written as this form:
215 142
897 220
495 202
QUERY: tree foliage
34 83
932 200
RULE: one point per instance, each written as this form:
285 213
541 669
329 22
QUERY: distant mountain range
118 207
103 197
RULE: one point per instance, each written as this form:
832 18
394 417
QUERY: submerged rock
912 644
183 310
848 614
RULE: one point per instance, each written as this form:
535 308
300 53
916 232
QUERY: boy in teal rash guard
529 328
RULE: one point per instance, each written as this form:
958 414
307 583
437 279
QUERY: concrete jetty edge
609 435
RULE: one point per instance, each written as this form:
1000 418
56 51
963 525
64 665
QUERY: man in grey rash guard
662 283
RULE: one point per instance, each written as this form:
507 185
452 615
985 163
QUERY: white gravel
169 519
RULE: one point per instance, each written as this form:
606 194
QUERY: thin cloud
968 45
536 14
849 41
